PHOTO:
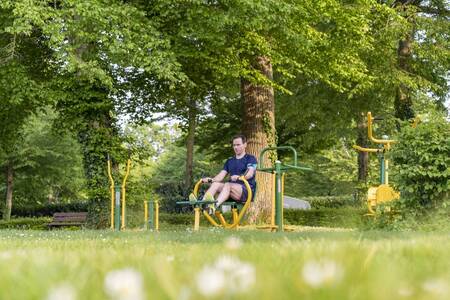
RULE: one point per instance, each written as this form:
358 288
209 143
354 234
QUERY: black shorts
245 193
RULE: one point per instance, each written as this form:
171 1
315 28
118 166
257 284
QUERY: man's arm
250 172
218 178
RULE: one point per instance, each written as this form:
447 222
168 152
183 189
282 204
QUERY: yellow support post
124 183
196 218
210 219
234 212
156 215
111 180
222 219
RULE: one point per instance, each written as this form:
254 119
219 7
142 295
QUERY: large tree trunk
98 138
363 157
403 101
9 191
259 127
190 139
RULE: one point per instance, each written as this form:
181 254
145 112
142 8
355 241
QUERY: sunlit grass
311 264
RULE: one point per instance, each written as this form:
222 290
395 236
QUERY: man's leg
233 190
212 190
216 187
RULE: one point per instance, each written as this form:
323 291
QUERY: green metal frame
279 169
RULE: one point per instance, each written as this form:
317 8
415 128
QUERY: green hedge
325 217
348 217
47 210
333 201
26 223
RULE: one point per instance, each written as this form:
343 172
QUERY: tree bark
190 140
9 190
363 157
259 127
403 101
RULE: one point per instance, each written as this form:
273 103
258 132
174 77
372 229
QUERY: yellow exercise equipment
383 193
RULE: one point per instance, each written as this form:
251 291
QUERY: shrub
25 223
333 201
326 217
42 210
422 163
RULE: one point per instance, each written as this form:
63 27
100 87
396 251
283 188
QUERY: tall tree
23 73
248 40
94 43
422 52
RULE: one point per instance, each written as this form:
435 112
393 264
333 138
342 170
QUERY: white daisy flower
233 243
318 273
436 286
210 281
239 277
63 291
125 284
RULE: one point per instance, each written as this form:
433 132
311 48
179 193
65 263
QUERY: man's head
239 144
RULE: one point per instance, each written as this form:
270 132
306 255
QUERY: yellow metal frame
382 193
243 210
124 183
196 218
156 215
237 217
197 187
371 150
370 134
272 225
146 214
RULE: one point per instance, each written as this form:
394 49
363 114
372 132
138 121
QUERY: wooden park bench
68 219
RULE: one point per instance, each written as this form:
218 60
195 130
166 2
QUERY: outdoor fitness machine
382 193
238 209
118 194
278 171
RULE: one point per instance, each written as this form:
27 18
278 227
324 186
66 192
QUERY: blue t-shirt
234 166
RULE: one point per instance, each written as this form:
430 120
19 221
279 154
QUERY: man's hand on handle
234 178
207 180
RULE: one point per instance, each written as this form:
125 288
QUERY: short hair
239 136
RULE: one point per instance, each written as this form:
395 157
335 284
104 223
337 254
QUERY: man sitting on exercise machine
241 164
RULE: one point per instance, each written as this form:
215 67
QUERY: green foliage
422 163
26 223
320 202
334 174
49 163
167 180
326 217
408 219
48 209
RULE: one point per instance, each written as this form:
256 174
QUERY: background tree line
297 73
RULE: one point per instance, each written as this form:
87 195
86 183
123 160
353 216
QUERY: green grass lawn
217 264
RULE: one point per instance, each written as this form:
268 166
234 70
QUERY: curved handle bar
370 119
371 150
261 156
